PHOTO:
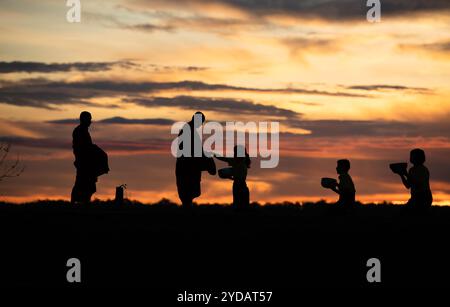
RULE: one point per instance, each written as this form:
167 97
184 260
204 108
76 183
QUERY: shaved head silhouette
85 118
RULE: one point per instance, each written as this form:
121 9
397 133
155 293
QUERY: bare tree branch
9 169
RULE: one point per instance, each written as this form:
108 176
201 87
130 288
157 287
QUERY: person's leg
240 195
186 202
92 188
186 190
409 207
349 204
75 196
84 198
181 191
340 207
185 197
86 188
235 196
246 196
424 204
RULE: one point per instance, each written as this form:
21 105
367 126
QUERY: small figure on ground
345 187
238 173
416 179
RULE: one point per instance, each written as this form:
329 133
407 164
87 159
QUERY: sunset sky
340 87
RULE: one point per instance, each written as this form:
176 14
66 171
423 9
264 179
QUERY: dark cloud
372 128
39 67
46 143
337 10
109 145
159 145
145 121
195 68
309 104
115 22
298 45
223 105
213 23
147 87
204 23
384 87
332 129
148 27
119 120
197 23
44 98
169 22
165 68
441 47
42 93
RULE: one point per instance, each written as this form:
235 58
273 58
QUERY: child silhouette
345 187
417 179
238 173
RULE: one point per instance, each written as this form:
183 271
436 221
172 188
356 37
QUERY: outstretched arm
405 181
336 189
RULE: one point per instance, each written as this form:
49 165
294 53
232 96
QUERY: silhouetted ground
214 247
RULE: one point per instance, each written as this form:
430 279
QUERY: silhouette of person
417 179
86 176
239 165
189 168
345 187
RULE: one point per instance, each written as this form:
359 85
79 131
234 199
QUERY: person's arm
405 180
336 189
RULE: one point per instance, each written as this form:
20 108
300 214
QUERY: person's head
198 119
85 119
343 166
417 156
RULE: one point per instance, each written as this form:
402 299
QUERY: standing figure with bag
90 161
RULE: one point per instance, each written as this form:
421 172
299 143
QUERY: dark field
214 247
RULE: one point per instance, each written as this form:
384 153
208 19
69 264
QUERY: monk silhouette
90 161
192 162
345 187
237 172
